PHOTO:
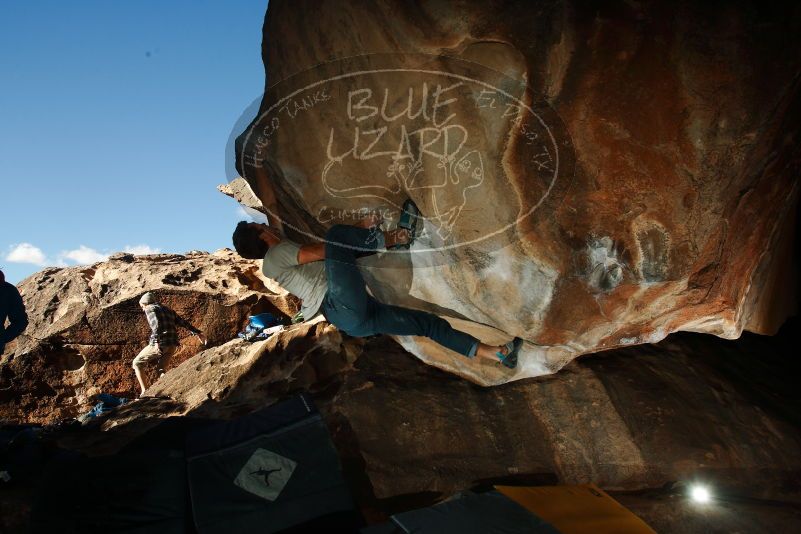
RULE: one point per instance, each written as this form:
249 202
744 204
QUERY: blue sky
114 119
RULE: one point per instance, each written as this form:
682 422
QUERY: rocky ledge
86 325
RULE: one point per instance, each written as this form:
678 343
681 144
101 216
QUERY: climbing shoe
510 358
409 217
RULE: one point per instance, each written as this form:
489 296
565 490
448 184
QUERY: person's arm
18 319
316 252
263 189
310 253
180 321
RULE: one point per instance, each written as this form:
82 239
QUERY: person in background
13 309
163 338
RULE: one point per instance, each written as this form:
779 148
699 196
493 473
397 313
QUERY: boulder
86 325
642 421
692 408
591 176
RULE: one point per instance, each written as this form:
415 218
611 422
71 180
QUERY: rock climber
327 279
13 309
163 338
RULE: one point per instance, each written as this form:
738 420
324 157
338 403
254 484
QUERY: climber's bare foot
399 236
489 351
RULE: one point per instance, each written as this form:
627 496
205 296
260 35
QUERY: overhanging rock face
590 177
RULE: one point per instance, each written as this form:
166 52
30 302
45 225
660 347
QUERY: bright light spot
699 494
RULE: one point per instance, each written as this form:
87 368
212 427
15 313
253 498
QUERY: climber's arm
180 321
316 252
310 253
266 193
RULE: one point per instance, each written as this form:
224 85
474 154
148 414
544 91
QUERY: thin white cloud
141 250
84 255
26 253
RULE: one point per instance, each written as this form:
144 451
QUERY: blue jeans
349 307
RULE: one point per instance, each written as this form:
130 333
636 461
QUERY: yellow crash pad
583 509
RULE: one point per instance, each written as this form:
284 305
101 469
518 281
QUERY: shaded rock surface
634 421
675 128
86 325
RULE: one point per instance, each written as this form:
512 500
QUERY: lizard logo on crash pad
265 474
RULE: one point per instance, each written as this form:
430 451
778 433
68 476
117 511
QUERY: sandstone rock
603 176
86 325
692 407
633 420
240 191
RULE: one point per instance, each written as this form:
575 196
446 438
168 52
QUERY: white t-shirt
307 281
